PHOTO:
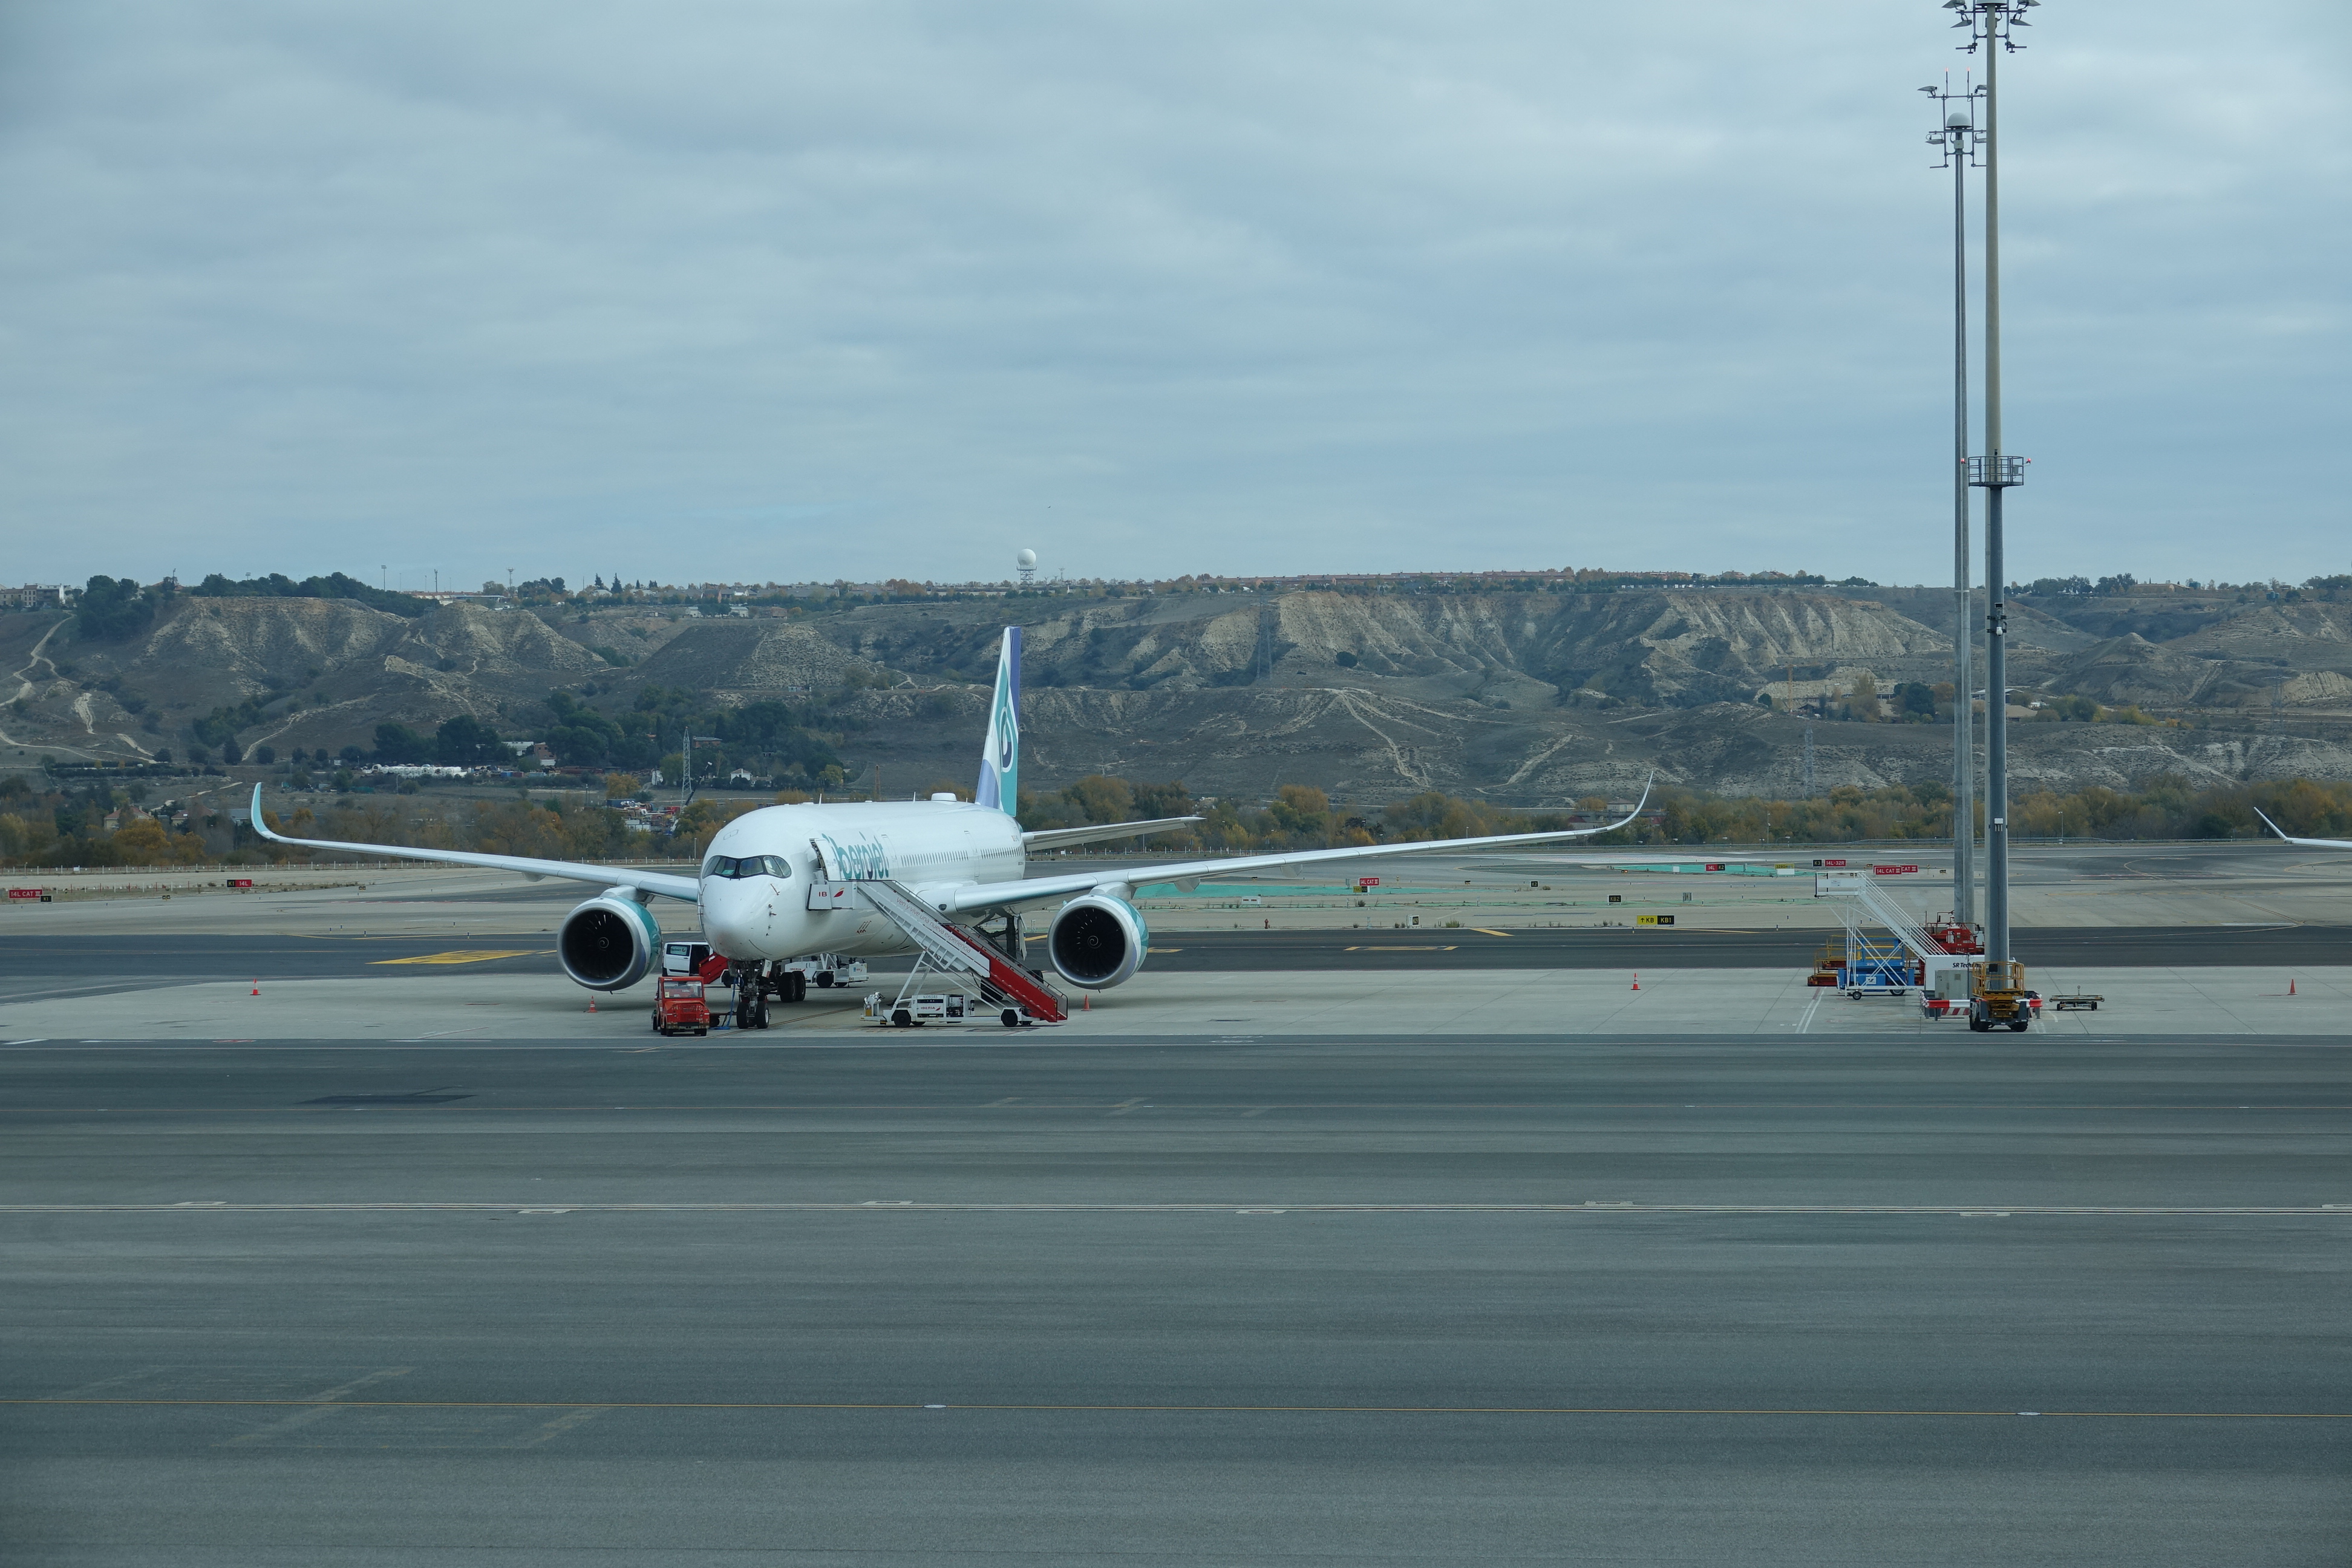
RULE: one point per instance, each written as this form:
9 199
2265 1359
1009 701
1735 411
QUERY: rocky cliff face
1658 649
320 672
742 661
1527 698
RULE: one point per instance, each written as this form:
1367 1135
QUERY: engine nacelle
608 943
1099 941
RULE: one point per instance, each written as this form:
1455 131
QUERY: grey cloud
818 290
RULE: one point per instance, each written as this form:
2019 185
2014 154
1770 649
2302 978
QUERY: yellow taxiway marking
1483 930
468 956
1426 947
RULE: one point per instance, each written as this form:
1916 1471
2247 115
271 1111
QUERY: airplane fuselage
751 912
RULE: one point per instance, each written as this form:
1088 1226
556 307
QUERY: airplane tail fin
1000 764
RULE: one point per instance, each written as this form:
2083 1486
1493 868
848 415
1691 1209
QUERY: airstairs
1863 908
951 951
1893 917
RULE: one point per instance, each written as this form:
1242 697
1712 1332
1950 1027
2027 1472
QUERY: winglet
1635 814
2303 843
258 826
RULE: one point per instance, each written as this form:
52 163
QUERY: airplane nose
733 916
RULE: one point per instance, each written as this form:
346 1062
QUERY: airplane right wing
665 884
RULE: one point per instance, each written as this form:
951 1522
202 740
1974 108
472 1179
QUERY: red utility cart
679 1007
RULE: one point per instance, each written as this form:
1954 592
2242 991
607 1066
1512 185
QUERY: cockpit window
735 866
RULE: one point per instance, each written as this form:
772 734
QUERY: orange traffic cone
257 986
592 1005
1089 1004
1637 981
2290 987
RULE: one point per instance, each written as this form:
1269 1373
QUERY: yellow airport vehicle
1997 994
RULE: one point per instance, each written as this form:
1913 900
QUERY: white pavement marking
88 1390
561 1425
320 1405
907 1206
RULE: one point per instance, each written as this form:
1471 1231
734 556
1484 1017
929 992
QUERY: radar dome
1027 558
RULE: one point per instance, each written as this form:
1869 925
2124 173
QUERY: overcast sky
795 291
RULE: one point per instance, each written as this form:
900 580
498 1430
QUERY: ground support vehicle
1017 1002
986 969
684 957
1997 994
679 1006
2077 1004
826 971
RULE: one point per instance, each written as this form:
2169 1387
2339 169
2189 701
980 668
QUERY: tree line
67 826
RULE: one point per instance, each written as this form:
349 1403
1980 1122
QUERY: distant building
451 596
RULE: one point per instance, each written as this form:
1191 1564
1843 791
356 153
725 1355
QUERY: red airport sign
1715 864
24 892
240 882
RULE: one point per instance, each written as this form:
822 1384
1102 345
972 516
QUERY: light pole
1990 23
1957 138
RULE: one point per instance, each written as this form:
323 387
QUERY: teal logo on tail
1000 763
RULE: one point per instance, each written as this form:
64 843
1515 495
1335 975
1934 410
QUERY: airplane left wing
657 882
1101 832
990 895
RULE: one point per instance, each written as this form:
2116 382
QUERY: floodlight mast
1955 137
1989 24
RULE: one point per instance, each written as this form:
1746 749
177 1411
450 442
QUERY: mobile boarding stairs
982 981
1935 960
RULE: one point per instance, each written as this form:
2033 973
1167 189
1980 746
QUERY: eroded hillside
1528 697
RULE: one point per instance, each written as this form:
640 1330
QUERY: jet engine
1098 941
609 943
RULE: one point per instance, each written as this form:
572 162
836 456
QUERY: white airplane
791 892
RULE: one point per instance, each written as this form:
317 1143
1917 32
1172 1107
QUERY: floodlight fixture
1990 21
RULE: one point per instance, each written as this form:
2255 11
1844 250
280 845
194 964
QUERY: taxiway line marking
318 1406
1204 1105
2086 1211
468 956
575 1417
592 1408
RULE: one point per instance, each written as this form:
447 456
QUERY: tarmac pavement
1063 1301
